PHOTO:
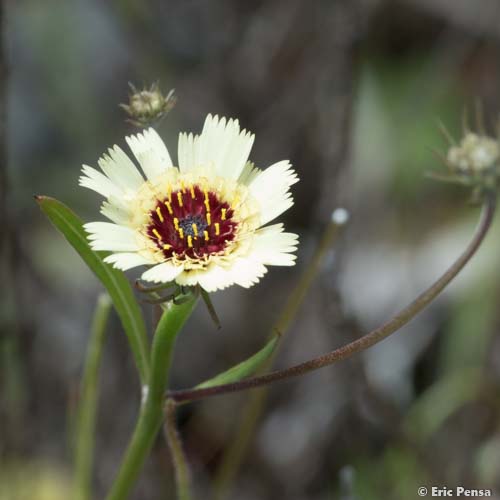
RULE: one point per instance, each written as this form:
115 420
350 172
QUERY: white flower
203 222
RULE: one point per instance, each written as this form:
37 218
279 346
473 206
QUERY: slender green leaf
440 401
243 369
85 434
117 285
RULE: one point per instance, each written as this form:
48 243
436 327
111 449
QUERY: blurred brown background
350 91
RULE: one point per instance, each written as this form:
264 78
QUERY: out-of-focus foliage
28 480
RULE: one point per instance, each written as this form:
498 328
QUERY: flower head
201 223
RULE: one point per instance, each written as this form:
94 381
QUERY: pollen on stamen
205 234
179 198
223 213
181 233
206 201
169 207
160 215
195 229
156 233
217 228
190 241
209 219
193 196
176 223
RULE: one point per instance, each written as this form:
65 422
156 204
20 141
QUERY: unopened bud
148 105
474 155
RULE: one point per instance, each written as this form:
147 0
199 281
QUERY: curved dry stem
371 338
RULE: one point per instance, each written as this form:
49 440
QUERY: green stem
182 472
85 431
151 414
393 325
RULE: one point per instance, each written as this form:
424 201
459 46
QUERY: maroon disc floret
193 223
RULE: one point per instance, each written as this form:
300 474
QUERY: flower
201 223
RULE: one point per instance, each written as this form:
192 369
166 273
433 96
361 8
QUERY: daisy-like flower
201 223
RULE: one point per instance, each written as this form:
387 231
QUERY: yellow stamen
195 229
169 207
205 233
207 203
156 233
209 218
223 214
181 233
179 198
166 247
217 228
192 192
176 223
160 215
190 241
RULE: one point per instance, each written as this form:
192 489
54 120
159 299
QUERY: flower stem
84 446
151 413
368 340
182 472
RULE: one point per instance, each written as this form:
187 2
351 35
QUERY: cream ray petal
121 170
272 246
116 213
215 278
111 237
190 277
223 144
271 189
188 152
98 182
127 260
151 153
247 272
249 173
162 273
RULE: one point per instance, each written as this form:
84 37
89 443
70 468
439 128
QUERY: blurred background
351 92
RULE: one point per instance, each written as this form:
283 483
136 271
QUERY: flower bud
148 105
476 154
473 162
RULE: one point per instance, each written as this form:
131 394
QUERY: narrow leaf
115 282
87 411
245 368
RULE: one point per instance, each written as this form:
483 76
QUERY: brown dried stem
368 340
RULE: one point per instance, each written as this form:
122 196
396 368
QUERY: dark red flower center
192 223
